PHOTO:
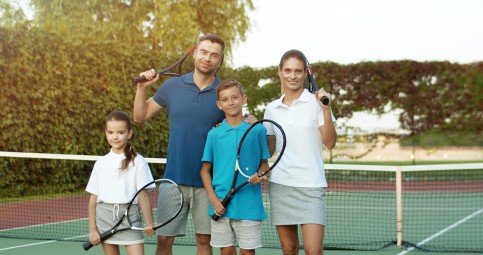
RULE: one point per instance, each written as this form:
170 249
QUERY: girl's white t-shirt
115 186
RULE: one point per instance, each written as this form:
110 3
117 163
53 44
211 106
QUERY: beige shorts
108 215
195 200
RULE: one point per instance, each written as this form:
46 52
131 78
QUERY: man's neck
203 80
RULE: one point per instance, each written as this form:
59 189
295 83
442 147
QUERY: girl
114 181
297 185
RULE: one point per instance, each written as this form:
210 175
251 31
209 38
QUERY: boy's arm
254 179
206 178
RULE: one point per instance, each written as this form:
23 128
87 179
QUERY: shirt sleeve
208 151
93 184
143 172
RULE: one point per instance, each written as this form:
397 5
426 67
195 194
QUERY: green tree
171 26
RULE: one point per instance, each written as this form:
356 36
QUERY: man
190 102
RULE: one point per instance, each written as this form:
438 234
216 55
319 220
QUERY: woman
297 185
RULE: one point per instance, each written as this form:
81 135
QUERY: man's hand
151 77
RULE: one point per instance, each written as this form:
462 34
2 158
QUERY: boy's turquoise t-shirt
220 149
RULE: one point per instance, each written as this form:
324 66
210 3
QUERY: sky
351 31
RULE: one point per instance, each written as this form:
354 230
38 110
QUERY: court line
42 225
443 231
40 243
390 208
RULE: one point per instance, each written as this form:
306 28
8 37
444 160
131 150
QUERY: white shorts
227 232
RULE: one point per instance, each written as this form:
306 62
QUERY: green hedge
55 96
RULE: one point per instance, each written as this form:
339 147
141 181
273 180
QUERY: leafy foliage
65 70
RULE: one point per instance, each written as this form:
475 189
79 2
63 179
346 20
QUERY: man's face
208 57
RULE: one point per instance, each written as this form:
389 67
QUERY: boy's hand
217 206
254 179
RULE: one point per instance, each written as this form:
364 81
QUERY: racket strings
276 142
264 135
250 154
169 203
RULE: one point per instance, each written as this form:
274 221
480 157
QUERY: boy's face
230 101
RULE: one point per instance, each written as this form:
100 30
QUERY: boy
241 221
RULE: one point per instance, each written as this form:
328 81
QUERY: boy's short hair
226 84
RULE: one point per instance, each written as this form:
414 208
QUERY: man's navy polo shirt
192 113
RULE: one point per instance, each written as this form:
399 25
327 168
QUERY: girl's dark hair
129 151
293 54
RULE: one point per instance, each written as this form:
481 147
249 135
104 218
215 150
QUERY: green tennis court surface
39 247
442 211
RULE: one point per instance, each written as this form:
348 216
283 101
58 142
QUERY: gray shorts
107 215
227 232
196 199
297 205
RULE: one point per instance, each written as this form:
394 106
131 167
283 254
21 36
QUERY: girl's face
292 74
117 135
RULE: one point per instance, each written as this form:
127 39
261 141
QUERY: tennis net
370 207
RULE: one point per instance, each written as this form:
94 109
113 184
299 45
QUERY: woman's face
292 74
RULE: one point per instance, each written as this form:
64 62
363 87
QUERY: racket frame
168 70
107 234
226 200
313 85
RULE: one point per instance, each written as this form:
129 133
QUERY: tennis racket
176 69
161 197
262 135
313 85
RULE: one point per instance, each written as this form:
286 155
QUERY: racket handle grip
106 235
215 217
87 245
325 100
138 79
225 202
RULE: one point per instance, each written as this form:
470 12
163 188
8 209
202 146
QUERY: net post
399 212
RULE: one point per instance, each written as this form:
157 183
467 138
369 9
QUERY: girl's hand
94 237
148 230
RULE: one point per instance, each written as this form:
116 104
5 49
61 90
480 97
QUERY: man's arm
145 109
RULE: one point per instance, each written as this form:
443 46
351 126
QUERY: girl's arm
94 236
